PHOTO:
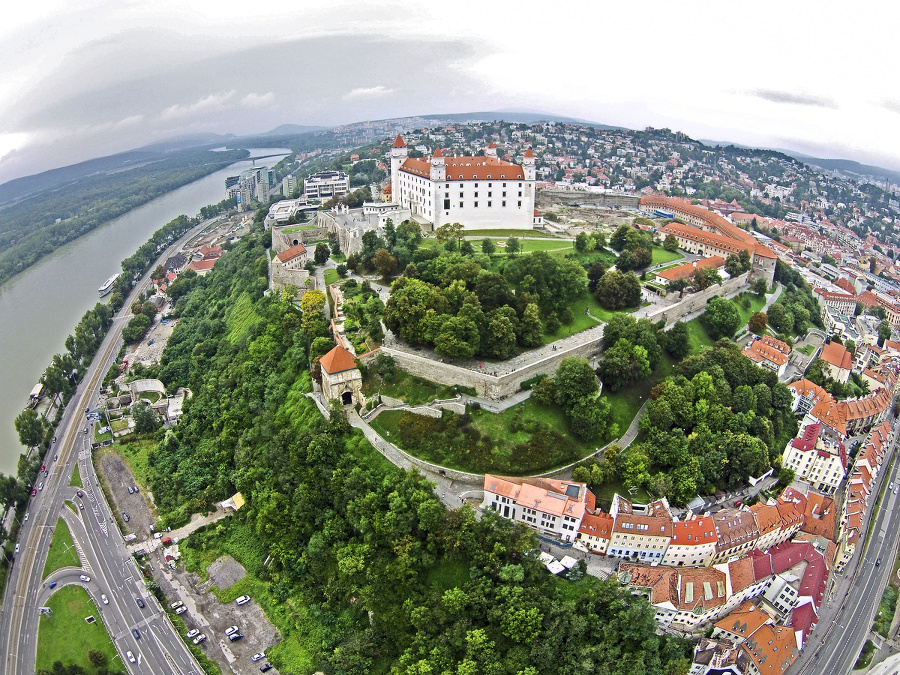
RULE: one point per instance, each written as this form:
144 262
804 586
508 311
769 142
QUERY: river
42 305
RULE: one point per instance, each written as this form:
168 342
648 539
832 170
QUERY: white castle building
478 192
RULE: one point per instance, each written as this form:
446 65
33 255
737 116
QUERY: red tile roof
398 142
291 253
686 270
837 355
466 168
758 351
337 361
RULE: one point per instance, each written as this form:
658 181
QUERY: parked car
130 657
192 633
34 492
41 485
125 517
181 610
129 489
200 638
135 488
266 667
157 535
104 599
85 578
234 637
233 629
259 656
150 341
167 541
25 519
243 600
17 549
176 604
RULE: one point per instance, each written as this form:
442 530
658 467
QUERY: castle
478 192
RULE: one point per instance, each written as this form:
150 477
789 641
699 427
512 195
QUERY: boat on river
108 284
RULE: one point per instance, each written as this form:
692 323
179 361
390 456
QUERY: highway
104 558
846 617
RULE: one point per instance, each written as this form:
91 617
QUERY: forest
42 222
359 564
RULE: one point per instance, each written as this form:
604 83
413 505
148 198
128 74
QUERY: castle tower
528 165
438 168
491 150
398 156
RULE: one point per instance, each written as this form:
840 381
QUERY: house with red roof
817 456
769 353
693 543
685 271
341 378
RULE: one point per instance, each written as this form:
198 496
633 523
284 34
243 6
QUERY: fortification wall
697 301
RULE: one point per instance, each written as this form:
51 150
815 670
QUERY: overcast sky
85 78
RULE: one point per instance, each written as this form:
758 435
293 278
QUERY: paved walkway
197 521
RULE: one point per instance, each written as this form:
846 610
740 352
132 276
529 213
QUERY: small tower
491 150
398 156
528 165
438 168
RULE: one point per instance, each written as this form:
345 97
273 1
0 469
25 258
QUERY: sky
87 78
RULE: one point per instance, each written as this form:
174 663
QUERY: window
476 185
489 194
461 204
504 185
520 193
520 185
476 194
476 205
520 205
504 193
489 204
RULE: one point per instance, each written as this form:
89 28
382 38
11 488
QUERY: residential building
641 533
326 184
736 533
481 192
685 271
693 543
595 532
817 457
839 362
769 353
552 507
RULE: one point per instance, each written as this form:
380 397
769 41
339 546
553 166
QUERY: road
112 571
845 618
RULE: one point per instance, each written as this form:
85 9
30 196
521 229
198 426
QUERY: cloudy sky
84 78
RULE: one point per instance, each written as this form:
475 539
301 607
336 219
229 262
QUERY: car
85 578
81 506
85 430
135 488
877 562
259 656
167 541
34 492
891 486
150 341
136 633
140 603
125 517
41 485
52 584
55 457
243 600
176 604
129 489
182 609
192 633
266 667
54 439
43 467
234 637
104 599
233 629
130 657
157 535
200 638
896 489
17 549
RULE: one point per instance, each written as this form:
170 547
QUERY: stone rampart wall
697 301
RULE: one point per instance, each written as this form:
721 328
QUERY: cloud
204 105
891 104
367 92
254 100
794 99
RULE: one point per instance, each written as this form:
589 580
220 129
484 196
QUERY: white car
181 610
200 638
259 656
104 599
26 518
229 631
176 604
85 578
130 657
17 549
192 633
243 600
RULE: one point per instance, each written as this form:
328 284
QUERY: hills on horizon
55 178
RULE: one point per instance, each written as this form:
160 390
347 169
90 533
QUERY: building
736 533
288 185
552 507
806 395
641 532
707 233
595 532
341 378
839 362
254 184
479 192
818 457
769 353
693 543
326 184
685 271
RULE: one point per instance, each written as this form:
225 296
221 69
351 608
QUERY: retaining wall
697 301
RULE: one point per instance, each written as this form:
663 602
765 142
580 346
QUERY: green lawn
661 255
582 320
65 635
331 276
76 478
698 336
607 491
62 550
414 390
298 228
806 349
118 425
626 402
756 305
525 245
105 436
474 234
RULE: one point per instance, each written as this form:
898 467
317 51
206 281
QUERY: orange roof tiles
759 351
399 142
772 649
837 355
741 573
744 621
767 517
466 168
337 361
694 532
291 253
686 270
597 525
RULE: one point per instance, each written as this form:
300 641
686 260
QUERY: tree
622 364
512 246
721 318
385 264
884 332
574 380
322 253
733 265
758 323
617 290
136 328
678 340
581 242
760 287
531 332
589 417
704 277
145 420
30 427
487 246
671 243
342 270
97 658
780 318
678 286
449 232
